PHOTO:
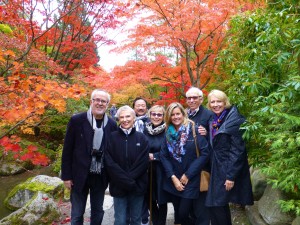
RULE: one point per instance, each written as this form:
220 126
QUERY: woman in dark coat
179 159
126 161
155 133
230 176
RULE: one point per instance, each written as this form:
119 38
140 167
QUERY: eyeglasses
157 114
98 100
193 97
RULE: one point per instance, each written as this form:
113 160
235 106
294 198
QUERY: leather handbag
204 175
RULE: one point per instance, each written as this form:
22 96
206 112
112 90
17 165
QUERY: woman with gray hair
126 162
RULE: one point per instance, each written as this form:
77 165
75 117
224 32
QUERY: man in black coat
201 116
82 168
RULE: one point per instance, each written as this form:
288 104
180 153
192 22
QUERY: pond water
9 182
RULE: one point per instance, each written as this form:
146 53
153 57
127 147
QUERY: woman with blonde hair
230 176
155 133
179 159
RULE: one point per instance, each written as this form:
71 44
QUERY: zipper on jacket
126 151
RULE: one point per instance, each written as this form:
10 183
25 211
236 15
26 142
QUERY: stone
259 184
41 209
269 208
253 215
11 168
296 221
23 192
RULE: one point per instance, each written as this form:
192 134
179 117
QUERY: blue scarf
176 141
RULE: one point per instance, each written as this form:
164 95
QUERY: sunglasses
157 114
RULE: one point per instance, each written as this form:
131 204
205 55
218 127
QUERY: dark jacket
158 173
76 156
202 117
126 162
190 166
229 162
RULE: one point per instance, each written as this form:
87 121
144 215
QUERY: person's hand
184 179
202 131
68 184
177 184
151 156
229 185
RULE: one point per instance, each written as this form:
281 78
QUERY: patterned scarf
139 123
191 114
155 130
176 141
216 124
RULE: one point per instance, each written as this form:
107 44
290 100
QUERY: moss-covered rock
40 210
22 193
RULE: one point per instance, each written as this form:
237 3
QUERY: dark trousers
159 213
201 212
95 187
220 215
182 208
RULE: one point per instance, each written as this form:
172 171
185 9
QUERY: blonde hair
219 95
156 107
170 110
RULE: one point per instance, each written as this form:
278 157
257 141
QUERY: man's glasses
98 100
193 97
157 114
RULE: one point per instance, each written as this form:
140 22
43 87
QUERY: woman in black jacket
179 159
230 176
155 133
126 163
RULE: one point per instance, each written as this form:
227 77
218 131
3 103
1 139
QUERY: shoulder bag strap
195 139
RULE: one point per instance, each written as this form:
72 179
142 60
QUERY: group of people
152 157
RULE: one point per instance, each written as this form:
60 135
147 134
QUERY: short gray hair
125 108
96 91
194 89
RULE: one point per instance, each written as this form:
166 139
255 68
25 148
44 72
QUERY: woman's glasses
157 114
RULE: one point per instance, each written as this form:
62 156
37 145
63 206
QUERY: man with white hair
201 116
82 168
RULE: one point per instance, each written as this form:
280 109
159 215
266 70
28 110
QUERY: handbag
204 175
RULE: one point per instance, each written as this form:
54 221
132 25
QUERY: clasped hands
180 184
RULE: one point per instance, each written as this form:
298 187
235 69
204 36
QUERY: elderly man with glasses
201 116
82 168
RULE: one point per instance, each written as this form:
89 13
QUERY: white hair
125 108
194 89
96 91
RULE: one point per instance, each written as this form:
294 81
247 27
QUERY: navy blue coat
190 166
158 173
202 117
126 162
229 162
76 156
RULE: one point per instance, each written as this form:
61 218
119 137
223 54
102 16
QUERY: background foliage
263 59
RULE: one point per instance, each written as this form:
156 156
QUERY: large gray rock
23 192
269 208
254 216
42 209
296 221
259 184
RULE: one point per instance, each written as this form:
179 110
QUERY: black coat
76 156
202 117
190 166
158 173
126 162
229 162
